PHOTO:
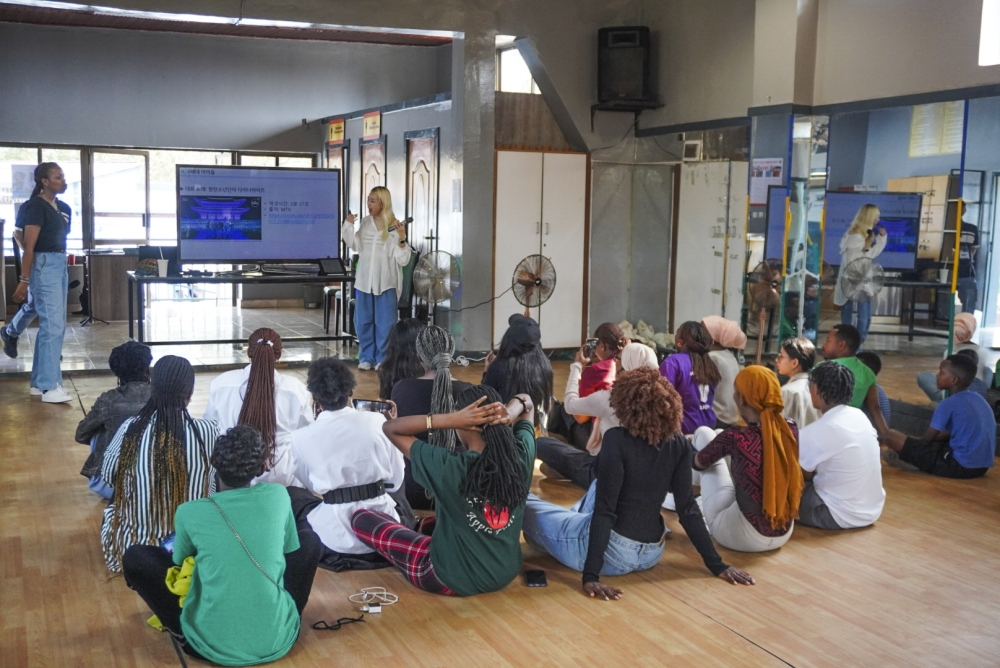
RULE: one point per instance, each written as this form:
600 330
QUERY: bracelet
524 404
430 423
22 279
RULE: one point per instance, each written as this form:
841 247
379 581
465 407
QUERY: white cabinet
541 208
711 241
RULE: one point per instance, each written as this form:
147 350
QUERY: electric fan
533 282
436 277
763 295
862 279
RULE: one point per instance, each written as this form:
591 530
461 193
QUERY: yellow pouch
178 581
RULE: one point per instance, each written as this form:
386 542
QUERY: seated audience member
274 404
841 346
795 359
479 494
839 456
520 366
874 362
252 570
579 466
401 361
694 375
726 337
962 437
156 461
130 363
617 527
598 374
928 381
750 503
433 392
345 463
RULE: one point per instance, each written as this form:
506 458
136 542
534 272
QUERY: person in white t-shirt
840 458
795 359
272 403
346 463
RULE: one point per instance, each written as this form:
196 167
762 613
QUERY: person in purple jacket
693 374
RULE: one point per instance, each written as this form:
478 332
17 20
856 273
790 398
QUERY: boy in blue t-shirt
961 440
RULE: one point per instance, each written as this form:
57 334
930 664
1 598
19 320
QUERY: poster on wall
936 129
335 131
764 173
372 125
22 181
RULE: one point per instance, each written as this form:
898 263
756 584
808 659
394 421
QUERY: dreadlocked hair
401 360
435 346
166 415
697 342
130 362
494 478
834 382
258 403
647 406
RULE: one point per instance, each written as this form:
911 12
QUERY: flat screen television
775 238
249 215
900 217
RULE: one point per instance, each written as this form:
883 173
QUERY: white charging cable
373 598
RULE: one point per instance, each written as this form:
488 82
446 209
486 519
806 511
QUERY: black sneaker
9 343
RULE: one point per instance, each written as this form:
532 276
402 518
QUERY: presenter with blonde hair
380 240
862 239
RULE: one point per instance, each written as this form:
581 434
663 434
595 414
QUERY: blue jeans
24 316
96 483
864 316
565 534
374 317
48 288
968 293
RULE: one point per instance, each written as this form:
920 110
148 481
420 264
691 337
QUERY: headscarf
725 332
965 327
638 355
782 486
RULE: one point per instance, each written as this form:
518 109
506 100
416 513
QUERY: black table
913 287
137 307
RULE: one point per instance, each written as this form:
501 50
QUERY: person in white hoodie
272 403
380 240
795 360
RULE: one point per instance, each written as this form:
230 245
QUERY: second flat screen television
247 215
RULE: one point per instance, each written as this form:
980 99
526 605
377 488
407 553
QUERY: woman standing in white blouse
860 240
380 240
795 359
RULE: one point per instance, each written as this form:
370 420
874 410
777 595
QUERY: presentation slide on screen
900 217
239 214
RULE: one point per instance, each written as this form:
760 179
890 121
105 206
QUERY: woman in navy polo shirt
46 223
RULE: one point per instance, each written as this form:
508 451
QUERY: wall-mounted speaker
623 65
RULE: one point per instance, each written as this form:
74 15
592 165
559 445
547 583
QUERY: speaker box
623 65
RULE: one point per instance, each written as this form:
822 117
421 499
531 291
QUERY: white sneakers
378 366
56 395
365 366
35 392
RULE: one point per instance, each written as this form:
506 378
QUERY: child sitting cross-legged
961 439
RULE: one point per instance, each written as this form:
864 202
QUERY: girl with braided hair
617 528
274 404
156 461
433 392
130 363
401 359
694 375
479 493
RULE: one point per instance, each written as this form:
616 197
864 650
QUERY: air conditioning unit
692 150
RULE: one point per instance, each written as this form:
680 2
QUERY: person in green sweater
479 495
841 346
253 570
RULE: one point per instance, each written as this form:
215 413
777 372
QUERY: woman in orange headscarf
751 505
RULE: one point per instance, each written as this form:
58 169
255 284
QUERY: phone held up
372 406
535 579
589 347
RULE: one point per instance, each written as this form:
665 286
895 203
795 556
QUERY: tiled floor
87 348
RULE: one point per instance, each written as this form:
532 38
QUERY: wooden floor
918 589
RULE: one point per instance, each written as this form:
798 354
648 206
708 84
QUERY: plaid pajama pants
408 550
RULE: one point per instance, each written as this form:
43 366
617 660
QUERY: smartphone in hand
372 406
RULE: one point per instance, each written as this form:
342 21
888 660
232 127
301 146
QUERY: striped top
201 483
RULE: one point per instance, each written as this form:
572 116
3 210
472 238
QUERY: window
989 36
17 169
512 74
163 189
248 160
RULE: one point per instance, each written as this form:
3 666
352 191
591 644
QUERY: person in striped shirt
156 461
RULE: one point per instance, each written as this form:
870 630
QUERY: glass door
121 197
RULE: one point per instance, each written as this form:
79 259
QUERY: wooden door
517 225
372 169
422 189
563 228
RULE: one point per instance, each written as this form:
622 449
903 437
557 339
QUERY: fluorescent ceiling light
989 36
202 18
